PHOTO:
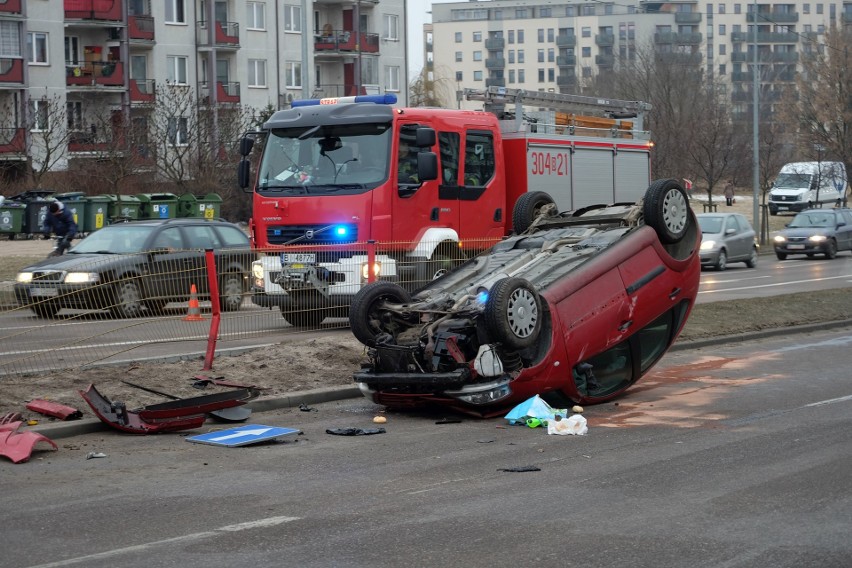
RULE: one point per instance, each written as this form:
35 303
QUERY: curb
761 334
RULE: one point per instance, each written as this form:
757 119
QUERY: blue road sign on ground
242 436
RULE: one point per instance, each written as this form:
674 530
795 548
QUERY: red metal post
371 260
213 284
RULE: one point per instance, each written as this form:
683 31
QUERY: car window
232 236
847 217
743 223
118 239
710 225
168 238
609 371
202 237
731 223
653 340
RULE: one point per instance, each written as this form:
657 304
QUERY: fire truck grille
312 234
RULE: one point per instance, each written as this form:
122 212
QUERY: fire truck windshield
325 159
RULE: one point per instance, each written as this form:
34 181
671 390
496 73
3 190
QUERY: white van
795 188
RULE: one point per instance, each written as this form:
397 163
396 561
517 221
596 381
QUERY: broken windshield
325 159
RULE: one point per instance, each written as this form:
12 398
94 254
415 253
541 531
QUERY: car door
844 233
739 245
200 238
169 265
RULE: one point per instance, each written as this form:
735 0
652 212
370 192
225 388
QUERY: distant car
579 307
141 264
726 238
816 231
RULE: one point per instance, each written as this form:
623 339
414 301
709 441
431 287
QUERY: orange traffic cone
194 311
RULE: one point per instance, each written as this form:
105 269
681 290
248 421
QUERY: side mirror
730 231
427 165
246 144
244 174
841 224
425 138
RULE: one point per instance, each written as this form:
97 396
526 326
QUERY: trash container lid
31 194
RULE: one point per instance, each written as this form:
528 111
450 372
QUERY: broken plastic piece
235 414
448 421
534 407
520 469
18 446
574 425
92 455
11 417
200 382
354 431
305 408
54 409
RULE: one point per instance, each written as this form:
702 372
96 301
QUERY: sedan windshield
117 239
812 219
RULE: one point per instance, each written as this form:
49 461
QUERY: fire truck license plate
298 258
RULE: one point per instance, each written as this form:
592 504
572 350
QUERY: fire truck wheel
367 316
527 208
513 313
666 210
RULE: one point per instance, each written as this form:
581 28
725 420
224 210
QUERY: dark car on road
578 307
815 231
138 267
726 238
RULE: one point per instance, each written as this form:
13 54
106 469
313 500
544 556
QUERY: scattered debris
93 455
577 408
572 426
54 409
484 441
354 431
242 435
18 446
11 417
534 408
223 415
201 382
305 408
380 419
448 421
520 469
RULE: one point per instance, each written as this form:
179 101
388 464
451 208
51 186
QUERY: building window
520 13
540 35
541 75
74 115
459 76
586 31
806 8
722 29
570 11
498 14
256 72
176 69
723 49
545 12
392 78
722 69
511 56
390 27
520 56
256 15
511 75
37 53
292 18
550 35
551 74
293 69
586 52
521 75
477 75
511 36
10 39
40 112
520 36
175 11
721 8
551 55
587 72
477 36
458 37
819 8
178 131
540 55
477 56
458 56
738 9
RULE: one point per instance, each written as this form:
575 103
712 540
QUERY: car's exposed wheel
439 264
231 291
527 208
781 255
45 309
128 299
752 260
513 313
831 249
666 210
722 261
367 318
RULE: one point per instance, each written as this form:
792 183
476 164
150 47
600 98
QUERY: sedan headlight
82 278
365 270
24 277
708 245
257 270
817 238
780 239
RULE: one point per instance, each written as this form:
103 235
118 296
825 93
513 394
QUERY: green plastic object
12 218
77 203
124 208
158 205
200 206
97 212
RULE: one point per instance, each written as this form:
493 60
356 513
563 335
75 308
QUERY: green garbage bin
12 218
158 205
124 207
202 206
76 202
35 202
97 212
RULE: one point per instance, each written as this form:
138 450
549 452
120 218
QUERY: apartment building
555 45
115 56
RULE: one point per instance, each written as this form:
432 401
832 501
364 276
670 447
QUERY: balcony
226 92
566 80
693 38
140 28
10 7
605 60
13 141
109 10
688 17
495 82
765 37
765 57
773 18
142 91
92 141
103 73
345 90
495 63
11 71
603 40
566 40
566 61
495 44
225 34
845 17
680 58
337 41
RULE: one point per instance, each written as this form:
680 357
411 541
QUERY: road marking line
774 285
260 523
830 401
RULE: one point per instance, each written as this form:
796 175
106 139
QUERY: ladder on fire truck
496 98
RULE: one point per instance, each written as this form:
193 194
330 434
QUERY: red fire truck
424 186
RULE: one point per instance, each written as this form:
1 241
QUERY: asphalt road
729 456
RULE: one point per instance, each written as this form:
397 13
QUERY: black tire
231 292
781 255
527 208
666 210
513 313
722 262
45 310
128 300
773 213
752 260
365 318
831 249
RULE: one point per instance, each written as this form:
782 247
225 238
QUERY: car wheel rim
233 293
130 299
674 211
522 312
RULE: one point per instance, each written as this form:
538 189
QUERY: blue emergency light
386 99
341 231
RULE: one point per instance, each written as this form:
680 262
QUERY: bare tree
48 141
428 91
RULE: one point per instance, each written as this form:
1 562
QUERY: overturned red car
576 308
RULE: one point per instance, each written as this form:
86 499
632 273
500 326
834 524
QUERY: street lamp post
754 142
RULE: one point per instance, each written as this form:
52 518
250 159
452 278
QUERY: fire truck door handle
498 214
674 293
434 215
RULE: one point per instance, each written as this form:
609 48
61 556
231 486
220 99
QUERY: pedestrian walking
729 193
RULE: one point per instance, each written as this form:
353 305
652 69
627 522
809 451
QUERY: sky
417 16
